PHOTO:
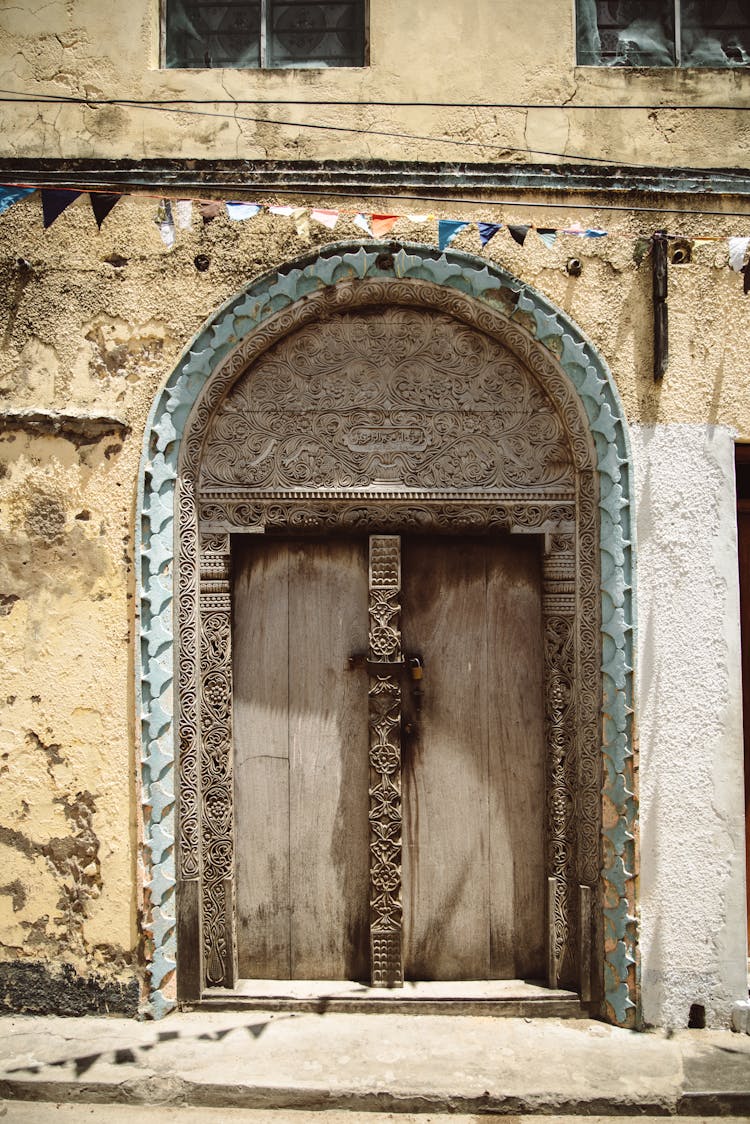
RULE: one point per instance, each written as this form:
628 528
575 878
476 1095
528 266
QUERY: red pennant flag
382 224
210 209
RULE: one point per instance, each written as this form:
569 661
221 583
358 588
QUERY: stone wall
93 323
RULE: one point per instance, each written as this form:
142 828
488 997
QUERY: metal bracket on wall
661 314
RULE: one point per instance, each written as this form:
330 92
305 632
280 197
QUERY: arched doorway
371 452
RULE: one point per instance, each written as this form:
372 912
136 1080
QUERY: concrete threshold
395 1063
495 998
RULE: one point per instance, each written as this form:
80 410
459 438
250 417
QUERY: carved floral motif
385 762
401 396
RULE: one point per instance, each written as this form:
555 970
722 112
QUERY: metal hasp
385 662
661 314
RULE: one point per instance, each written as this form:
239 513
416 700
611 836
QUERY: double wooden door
472 758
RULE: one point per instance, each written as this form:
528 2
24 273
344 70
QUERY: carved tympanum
401 397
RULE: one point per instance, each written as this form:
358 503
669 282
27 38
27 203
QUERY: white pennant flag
326 218
183 213
737 250
363 224
166 229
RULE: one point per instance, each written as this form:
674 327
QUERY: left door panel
300 758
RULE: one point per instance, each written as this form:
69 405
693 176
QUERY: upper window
663 32
264 33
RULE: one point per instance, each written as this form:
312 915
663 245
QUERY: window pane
204 33
625 33
316 34
715 34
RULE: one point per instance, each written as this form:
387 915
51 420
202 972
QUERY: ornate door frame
586 573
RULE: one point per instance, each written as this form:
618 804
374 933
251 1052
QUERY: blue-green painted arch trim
155 527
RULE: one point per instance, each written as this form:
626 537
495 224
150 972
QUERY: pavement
255 1065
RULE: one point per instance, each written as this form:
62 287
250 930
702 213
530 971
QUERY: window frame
263 65
677 45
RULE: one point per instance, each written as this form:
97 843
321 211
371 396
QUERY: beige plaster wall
474 51
92 324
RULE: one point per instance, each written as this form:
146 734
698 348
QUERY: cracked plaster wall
83 335
476 51
690 720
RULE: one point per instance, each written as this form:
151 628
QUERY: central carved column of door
385 662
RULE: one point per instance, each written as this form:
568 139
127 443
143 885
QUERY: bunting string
177 214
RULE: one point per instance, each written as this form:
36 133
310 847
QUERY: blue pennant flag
11 195
488 230
447 231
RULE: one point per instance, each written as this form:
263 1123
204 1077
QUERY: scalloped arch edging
155 533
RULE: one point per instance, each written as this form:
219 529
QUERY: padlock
415 666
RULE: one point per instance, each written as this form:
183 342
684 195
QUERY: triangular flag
362 223
518 233
746 283
326 218
447 231
488 230
166 229
737 250
165 222
547 235
101 204
238 211
287 212
210 209
418 218
382 224
54 202
593 233
11 195
301 221
574 228
183 213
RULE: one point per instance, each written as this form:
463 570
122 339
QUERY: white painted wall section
689 718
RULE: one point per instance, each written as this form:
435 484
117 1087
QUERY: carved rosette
216 759
559 613
386 961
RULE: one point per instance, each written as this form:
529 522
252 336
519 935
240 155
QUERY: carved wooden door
403 835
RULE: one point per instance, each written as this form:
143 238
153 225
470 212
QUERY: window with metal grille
263 33
707 33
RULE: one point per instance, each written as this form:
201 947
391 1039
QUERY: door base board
498 998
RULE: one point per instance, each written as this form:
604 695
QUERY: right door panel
473 760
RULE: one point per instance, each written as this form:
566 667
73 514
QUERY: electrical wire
178 192
390 134
22 97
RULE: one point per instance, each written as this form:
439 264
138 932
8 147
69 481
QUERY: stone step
496 998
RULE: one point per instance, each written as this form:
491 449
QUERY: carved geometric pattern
559 496
559 614
188 672
216 757
386 965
